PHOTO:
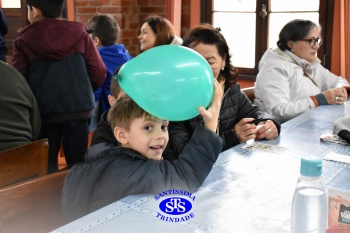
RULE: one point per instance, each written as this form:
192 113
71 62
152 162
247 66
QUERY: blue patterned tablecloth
246 191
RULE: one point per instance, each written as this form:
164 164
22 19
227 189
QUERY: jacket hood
176 41
277 54
114 55
39 36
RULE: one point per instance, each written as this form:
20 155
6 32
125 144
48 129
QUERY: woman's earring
222 68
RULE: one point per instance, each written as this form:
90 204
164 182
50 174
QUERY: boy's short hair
49 8
105 27
124 111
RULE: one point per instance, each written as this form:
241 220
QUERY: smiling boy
112 172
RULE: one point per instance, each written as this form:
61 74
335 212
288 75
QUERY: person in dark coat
62 71
19 115
112 172
238 117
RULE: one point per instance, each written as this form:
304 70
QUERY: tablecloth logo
175 205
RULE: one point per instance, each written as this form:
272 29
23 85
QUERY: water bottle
309 205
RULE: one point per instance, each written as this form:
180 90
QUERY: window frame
326 13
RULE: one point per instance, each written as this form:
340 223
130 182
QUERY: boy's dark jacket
111 172
103 131
62 66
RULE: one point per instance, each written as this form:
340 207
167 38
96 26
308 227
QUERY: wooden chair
33 206
24 162
249 92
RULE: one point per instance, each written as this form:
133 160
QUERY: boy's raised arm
211 115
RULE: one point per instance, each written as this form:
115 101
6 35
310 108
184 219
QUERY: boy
104 31
62 67
103 131
137 166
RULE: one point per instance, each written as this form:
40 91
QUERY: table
246 191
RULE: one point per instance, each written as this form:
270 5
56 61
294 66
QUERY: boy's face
148 136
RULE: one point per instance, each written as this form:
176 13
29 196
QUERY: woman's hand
336 95
245 130
268 131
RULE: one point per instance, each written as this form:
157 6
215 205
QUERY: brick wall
129 14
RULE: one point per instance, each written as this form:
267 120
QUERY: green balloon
169 82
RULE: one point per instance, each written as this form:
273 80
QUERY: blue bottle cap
311 166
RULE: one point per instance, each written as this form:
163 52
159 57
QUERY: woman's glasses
313 41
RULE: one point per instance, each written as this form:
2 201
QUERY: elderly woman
156 31
291 79
238 117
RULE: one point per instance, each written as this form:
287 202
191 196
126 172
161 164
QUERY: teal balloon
169 82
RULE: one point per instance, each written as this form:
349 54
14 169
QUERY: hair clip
219 29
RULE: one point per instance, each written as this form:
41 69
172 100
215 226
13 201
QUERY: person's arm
19 60
274 90
246 114
332 86
180 132
94 63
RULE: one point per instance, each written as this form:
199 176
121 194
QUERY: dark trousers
74 139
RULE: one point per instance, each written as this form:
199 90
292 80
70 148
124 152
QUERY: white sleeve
274 91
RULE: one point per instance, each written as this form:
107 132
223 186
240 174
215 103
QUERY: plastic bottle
309 205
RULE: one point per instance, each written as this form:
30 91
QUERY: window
10 3
252 26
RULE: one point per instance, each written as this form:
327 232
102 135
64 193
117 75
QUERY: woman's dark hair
295 30
49 8
207 34
163 29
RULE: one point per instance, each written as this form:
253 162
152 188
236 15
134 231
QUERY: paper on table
337 157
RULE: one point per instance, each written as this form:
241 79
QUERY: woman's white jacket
285 83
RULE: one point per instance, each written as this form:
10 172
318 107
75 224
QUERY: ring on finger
336 98
269 130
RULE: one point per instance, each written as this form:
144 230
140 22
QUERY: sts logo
175 208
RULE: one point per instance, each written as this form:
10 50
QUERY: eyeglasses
313 41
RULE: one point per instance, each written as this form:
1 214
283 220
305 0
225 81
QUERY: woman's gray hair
295 30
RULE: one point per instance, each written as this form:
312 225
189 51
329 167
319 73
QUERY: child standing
104 30
62 67
112 172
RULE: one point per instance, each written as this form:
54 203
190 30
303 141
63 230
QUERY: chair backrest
249 92
24 162
33 206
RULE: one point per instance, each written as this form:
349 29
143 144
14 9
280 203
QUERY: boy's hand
211 115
